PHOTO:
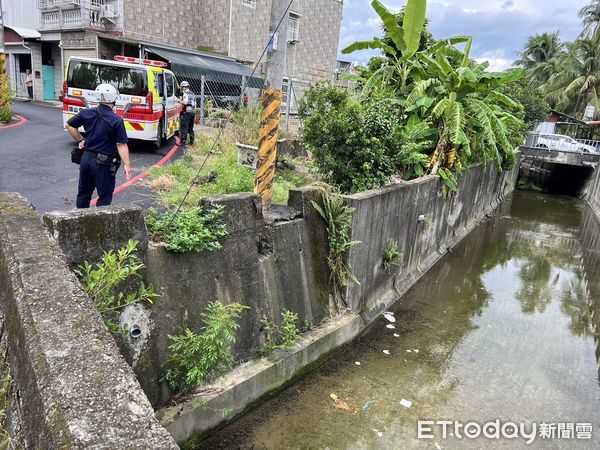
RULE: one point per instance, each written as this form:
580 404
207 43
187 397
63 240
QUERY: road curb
145 173
22 121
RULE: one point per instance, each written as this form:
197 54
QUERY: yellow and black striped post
267 146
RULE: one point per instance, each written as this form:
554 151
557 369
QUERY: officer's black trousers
186 127
93 175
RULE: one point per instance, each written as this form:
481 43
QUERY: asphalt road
35 160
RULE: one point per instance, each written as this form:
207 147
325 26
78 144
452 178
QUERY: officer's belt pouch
76 153
102 158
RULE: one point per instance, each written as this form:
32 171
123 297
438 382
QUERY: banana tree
406 38
464 105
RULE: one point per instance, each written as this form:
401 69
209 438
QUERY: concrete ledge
76 391
84 234
249 382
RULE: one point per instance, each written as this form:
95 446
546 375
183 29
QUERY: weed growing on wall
104 282
197 358
5 398
338 219
189 230
280 337
391 255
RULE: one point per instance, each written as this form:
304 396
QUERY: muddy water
502 328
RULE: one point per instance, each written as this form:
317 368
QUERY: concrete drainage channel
291 275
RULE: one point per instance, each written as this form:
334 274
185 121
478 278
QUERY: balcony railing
43 4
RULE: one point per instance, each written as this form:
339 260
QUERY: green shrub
105 282
246 124
188 230
5 94
350 141
197 358
280 337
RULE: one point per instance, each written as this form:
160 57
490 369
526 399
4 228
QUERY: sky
499 27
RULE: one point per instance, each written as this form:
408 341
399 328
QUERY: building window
249 3
294 28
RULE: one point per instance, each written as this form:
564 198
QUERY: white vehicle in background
563 143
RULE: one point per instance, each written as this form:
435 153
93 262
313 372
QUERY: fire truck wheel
158 143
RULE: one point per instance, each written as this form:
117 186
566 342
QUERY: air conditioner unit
108 12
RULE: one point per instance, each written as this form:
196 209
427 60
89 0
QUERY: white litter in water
387 352
390 326
438 446
379 433
390 318
357 363
416 350
396 335
406 403
409 350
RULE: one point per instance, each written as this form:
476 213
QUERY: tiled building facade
238 28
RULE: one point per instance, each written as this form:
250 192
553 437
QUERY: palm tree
577 84
590 16
539 57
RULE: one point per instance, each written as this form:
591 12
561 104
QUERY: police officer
186 126
104 146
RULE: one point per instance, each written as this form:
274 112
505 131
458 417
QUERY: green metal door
48 80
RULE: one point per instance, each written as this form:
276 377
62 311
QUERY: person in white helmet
104 147
188 114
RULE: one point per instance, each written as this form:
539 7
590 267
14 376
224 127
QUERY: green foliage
5 403
280 337
105 282
189 230
338 220
358 145
5 94
197 358
246 124
391 255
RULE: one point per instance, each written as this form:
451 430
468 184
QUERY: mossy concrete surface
84 234
76 391
592 193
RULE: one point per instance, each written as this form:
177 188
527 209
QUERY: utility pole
277 56
270 117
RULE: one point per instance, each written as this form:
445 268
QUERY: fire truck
147 94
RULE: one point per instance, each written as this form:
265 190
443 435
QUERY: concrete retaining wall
592 193
76 391
423 223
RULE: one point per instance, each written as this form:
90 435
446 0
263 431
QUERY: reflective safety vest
191 100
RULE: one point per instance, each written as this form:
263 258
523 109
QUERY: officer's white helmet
106 93
185 84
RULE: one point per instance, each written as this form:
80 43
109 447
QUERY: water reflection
503 327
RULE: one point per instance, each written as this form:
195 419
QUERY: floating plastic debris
387 352
416 350
390 326
438 446
389 317
367 405
357 363
396 335
406 403
409 350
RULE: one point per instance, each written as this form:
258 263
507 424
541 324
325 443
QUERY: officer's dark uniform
104 130
188 114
